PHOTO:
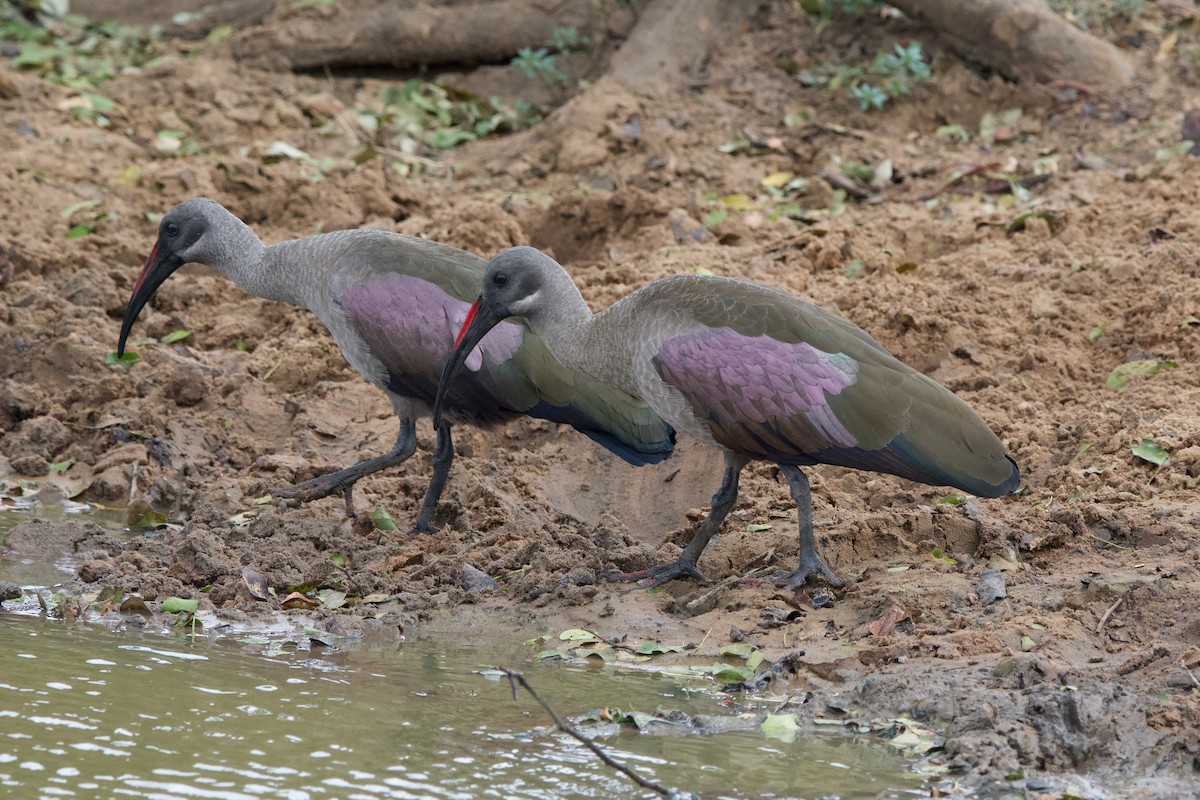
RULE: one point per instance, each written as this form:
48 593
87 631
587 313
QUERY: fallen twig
1107 613
516 677
692 605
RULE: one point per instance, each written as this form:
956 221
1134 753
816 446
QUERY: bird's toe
808 570
659 574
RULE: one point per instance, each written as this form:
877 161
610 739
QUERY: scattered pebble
475 579
991 587
9 591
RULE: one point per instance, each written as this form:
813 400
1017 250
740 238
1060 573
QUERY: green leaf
952 500
780 726
758 527
381 520
653 648
755 660
1123 373
74 208
739 650
126 361
98 102
714 217
1150 450
1163 153
175 336
1095 333
79 231
61 466
578 635
728 674
604 652
33 54
1053 219
220 34
177 605
339 560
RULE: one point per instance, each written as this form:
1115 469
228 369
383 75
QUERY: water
31 572
91 713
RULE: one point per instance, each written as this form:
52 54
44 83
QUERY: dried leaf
886 624
256 582
297 600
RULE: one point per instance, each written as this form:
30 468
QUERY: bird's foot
810 567
315 489
424 521
660 574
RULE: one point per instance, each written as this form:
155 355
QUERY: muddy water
31 572
91 713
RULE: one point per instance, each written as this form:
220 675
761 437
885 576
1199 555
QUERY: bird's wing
786 381
408 316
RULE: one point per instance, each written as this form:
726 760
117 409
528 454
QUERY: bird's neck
279 272
583 341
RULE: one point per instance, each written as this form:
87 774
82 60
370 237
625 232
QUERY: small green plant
542 62
868 96
1127 8
73 51
855 8
897 70
890 75
433 115
827 10
538 63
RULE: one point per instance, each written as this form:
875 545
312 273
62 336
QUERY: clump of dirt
1086 666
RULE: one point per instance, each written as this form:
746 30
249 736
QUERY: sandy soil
1084 675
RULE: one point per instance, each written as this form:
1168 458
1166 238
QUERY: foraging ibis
754 371
393 304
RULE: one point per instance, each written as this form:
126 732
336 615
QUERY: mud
1083 675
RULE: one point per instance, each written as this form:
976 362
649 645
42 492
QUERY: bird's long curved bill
480 319
158 269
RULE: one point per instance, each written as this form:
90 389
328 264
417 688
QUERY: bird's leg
686 565
443 457
344 479
811 563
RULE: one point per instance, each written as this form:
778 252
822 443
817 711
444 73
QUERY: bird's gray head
191 232
519 282
200 231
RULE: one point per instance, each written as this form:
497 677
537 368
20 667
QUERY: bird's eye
499 279
172 229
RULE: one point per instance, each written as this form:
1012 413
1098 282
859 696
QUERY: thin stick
1108 613
515 677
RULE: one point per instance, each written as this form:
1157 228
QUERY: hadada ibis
754 371
393 304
